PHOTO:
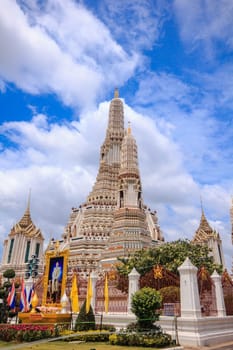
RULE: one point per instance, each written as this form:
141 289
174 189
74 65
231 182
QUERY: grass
60 345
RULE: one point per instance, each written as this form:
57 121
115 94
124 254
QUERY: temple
113 221
24 240
205 235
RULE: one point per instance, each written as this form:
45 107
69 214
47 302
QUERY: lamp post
32 267
31 273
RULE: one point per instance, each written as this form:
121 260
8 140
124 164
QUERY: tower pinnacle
116 93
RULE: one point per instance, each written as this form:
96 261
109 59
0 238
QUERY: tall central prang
113 221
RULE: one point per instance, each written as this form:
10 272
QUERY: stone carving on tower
205 235
115 205
24 240
134 226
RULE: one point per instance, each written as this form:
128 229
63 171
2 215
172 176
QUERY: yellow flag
106 297
89 295
74 295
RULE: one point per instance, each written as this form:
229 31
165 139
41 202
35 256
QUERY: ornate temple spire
104 189
129 178
130 231
24 240
204 230
25 225
26 220
113 217
205 235
129 153
115 129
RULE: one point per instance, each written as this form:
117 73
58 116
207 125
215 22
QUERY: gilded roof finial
116 93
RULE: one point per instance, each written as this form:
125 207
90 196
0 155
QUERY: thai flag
11 297
30 296
23 298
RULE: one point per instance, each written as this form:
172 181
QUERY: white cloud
63 50
206 24
165 88
136 24
190 114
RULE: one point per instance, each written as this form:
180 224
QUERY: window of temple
27 251
10 250
37 250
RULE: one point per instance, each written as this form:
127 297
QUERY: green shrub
85 321
10 273
106 327
141 339
144 304
136 327
170 294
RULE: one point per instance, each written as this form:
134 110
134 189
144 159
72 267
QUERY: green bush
85 321
106 327
10 273
136 327
144 304
170 294
141 339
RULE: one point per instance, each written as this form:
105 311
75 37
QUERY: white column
94 278
133 286
221 310
189 294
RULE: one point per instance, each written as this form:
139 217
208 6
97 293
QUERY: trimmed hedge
141 339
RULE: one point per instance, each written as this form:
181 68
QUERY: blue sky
172 62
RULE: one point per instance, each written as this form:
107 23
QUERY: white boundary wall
205 331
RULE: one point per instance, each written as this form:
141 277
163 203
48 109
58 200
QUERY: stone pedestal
94 278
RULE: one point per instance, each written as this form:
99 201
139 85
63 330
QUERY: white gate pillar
189 294
133 286
221 310
94 278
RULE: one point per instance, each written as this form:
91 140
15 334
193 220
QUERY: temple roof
204 231
26 226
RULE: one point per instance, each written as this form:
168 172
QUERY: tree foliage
10 273
170 294
144 304
170 255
